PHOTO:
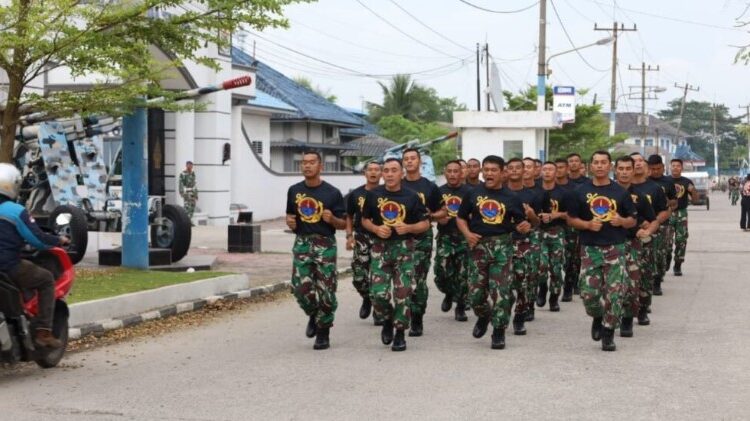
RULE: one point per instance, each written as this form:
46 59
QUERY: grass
93 284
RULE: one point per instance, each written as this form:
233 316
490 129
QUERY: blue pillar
541 92
134 191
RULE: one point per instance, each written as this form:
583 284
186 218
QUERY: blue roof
309 105
365 129
264 100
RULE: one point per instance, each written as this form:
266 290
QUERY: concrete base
156 257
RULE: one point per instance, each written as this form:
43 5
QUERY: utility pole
487 73
686 88
643 95
541 82
716 145
479 95
747 110
613 101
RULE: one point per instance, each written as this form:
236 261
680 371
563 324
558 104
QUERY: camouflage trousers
490 277
361 263
422 259
522 267
734 196
314 277
535 261
640 266
679 224
451 266
392 270
189 204
553 258
661 250
605 283
572 256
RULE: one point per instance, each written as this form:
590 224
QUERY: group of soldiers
527 233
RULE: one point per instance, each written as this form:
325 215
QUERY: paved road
691 363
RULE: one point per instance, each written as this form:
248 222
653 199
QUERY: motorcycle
18 310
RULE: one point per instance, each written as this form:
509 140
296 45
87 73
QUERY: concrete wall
478 143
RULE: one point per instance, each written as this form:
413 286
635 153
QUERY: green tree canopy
325 93
111 42
402 96
402 130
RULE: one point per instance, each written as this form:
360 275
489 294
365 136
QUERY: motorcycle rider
17 227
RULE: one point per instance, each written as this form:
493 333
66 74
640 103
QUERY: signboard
564 103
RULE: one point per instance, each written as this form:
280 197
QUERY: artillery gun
70 188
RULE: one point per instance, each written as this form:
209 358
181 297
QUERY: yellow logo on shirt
602 208
361 203
492 211
554 205
310 210
680 190
452 203
421 197
391 212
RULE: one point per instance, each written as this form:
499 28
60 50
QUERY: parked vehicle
19 308
702 182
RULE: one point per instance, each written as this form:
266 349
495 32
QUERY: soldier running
487 217
314 211
188 189
451 253
553 217
396 216
473 168
664 246
360 240
603 211
576 169
679 219
430 195
571 235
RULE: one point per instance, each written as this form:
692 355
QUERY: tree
402 130
589 133
402 96
111 41
307 83
743 53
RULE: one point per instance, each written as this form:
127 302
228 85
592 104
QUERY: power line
572 44
387 22
430 29
506 12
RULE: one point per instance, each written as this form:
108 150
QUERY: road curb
101 326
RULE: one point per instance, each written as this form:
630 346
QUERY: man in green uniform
188 189
360 240
602 211
451 253
576 177
430 195
664 248
395 215
314 211
679 220
488 216
571 235
473 169
553 218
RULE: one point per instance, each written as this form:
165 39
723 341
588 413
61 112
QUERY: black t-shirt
601 202
451 198
578 181
654 194
555 200
491 212
531 196
644 209
681 185
308 203
355 201
667 186
427 190
385 207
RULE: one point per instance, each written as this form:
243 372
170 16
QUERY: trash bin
244 238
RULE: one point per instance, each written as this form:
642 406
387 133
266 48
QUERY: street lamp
603 41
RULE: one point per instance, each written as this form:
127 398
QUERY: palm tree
398 99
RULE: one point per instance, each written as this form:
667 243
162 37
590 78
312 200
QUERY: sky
343 47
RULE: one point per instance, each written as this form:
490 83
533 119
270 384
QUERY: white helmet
10 180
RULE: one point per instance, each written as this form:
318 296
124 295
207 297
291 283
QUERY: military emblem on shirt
492 211
634 197
309 209
680 190
554 205
361 203
602 207
421 197
452 203
391 212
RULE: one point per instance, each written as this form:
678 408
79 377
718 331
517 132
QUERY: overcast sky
690 40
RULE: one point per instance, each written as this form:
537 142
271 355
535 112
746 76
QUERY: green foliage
111 42
325 93
414 102
401 130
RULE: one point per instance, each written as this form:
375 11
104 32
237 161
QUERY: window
512 149
296 163
327 132
331 163
287 130
257 146
638 142
649 142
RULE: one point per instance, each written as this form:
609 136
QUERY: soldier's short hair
573 155
561 161
539 161
625 158
407 150
372 163
494 159
601 152
549 163
473 159
655 160
453 161
512 160
189 163
312 152
393 160
676 160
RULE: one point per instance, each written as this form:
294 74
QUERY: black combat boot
416 325
321 341
365 309
386 335
576 289
643 319
498 338
460 315
377 322
541 295
626 327
608 339
677 268
567 295
480 328
447 303
518 321
657 286
553 304
312 327
596 328
669 261
399 343
530 314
